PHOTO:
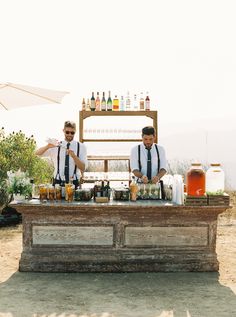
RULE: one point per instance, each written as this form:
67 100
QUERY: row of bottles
116 104
101 189
199 183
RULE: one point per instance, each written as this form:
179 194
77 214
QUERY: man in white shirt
69 157
148 160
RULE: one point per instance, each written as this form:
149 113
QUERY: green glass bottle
109 102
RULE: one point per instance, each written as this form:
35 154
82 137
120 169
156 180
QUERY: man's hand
71 153
155 179
144 179
50 145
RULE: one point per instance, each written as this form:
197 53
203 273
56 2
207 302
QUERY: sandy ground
119 294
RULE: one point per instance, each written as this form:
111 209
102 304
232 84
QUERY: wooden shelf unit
87 114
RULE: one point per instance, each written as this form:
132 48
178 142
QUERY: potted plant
18 185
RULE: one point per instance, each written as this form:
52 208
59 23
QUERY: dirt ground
119 294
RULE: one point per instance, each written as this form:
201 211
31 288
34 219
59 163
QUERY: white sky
183 52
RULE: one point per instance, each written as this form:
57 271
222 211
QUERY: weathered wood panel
166 236
70 235
118 237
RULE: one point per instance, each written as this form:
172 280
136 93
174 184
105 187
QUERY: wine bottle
103 104
97 103
147 103
109 102
92 104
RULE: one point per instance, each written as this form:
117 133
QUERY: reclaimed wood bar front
137 236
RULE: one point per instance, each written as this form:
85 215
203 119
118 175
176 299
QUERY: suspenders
139 160
58 162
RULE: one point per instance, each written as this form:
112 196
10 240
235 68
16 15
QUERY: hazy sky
182 52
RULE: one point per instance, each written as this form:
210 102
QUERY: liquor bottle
127 102
103 104
83 105
97 103
147 103
88 105
122 103
115 106
32 195
97 189
63 191
107 189
92 104
103 194
141 102
109 102
135 103
133 189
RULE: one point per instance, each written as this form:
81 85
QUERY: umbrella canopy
15 96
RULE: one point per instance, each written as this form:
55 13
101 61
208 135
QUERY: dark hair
148 131
70 124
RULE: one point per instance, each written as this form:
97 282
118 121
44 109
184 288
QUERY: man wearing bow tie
148 160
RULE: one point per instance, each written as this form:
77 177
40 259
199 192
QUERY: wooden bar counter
152 236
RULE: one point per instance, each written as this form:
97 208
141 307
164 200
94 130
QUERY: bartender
69 156
148 160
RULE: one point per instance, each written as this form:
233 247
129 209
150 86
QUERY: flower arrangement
18 183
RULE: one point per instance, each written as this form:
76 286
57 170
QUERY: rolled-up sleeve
163 162
83 155
134 159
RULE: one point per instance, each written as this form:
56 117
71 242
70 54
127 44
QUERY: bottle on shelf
135 103
97 103
88 105
115 106
141 102
103 103
92 104
127 101
109 102
147 102
122 103
196 180
83 105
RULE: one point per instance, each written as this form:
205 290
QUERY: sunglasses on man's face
70 132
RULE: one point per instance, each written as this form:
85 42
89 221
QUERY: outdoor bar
154 236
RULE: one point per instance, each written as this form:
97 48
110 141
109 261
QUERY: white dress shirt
143 159
53 152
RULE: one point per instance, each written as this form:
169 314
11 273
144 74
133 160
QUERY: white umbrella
15 96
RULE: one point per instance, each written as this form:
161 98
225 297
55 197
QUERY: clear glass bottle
122 103
127 101
141 102
135 103
97 103
103 103
88 105
92 104
215 179
196 180
109 102
83 105
147 102
115 104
